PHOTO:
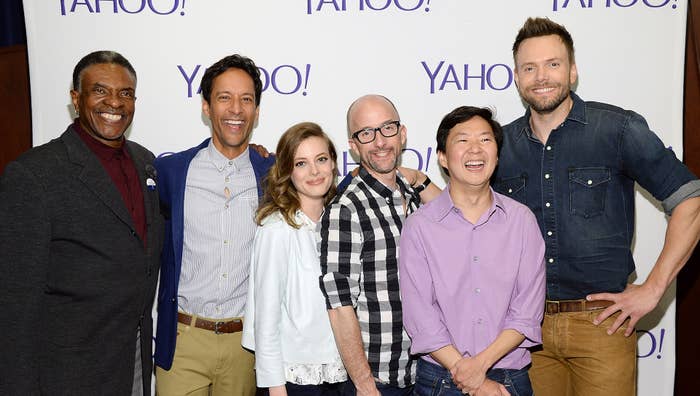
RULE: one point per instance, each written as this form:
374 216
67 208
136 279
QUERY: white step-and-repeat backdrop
317 56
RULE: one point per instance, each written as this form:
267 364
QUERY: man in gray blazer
80 238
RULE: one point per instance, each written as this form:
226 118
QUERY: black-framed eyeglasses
367 135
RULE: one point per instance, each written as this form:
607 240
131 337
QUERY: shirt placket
550 205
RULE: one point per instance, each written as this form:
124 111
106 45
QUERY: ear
75 97
442 159
573 74
353 146
205 109
515 75
402 131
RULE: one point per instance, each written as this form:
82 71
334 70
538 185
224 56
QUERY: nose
314 168
235 106
541 74
114 100
380 140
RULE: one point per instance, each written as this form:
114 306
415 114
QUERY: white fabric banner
318 55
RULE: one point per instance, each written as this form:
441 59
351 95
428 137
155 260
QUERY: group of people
513 278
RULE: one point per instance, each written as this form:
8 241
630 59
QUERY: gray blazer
75 279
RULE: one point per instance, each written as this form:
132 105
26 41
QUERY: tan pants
579 358
206 364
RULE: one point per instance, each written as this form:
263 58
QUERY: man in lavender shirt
472 271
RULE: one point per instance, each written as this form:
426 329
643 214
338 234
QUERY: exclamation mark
183 8
427 158
427 3
306 78
661 342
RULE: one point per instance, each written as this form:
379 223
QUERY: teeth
233 122
111 117
474 163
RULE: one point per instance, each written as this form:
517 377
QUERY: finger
617 323
605 314
630 326
602 296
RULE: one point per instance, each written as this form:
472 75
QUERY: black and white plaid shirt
359 267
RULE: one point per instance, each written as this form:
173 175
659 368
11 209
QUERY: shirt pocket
587 189
513 187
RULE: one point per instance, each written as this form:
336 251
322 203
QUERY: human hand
490 388
468 374
259 149
633 303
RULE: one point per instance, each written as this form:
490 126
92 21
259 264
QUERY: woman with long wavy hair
286 319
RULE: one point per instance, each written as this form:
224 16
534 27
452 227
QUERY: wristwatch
419 188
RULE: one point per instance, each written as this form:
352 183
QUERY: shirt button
549 148
549 233
476 258
230 162
589 182
388 200
227 179
224 276
547 204
546 175
510 191
479 321
551 260
477 290
225 241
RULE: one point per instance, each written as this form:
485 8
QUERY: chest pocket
513 187
587 189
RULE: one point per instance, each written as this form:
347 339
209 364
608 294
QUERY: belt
231 326
554 307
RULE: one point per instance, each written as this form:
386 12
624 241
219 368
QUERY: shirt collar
100 149
576 114
382 189
304 221
221 162
443 205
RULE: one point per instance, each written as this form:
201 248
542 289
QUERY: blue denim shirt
580 185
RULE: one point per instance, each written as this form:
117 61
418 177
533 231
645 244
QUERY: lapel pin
151 184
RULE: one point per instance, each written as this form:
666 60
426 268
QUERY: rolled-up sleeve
340 249
526 307
421 312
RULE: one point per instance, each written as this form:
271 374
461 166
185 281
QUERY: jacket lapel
94 176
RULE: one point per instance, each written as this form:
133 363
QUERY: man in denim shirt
575 163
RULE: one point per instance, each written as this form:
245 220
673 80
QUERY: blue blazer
172 176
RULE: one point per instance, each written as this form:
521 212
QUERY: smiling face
471 154
381 156
313 172
232 111
105 102
544 74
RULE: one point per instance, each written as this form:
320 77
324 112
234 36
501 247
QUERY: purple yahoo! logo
560 5
649 343
416 158
315 6
447 76
158 7
282 79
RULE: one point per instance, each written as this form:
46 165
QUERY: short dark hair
98 58
538 27
463 114
234 61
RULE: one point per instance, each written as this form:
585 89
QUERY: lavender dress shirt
463 284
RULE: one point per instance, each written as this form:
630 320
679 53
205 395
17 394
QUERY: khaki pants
207 363
580 358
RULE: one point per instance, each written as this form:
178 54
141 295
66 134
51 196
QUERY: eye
248 99
366 132
99 90
485 139
322 160
554 64
299 164
223 98
126 94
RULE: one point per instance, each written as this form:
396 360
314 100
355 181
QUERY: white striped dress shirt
220 202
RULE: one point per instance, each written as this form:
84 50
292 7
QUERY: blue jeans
434 380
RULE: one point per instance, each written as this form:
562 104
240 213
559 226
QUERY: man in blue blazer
209 195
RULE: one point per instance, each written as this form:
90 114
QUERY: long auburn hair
280 193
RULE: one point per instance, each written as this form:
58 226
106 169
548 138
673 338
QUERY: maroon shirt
120 167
